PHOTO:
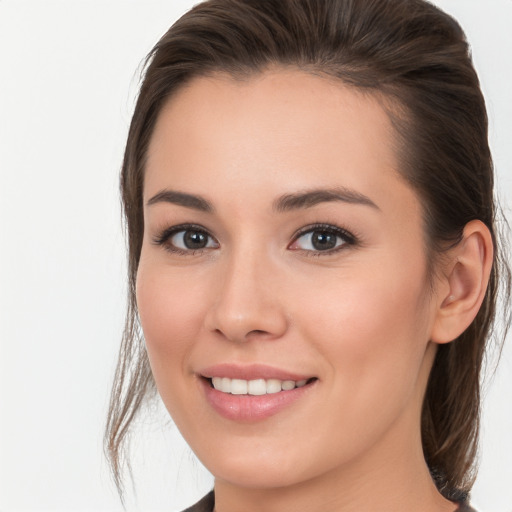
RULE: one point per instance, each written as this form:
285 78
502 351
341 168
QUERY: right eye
186 240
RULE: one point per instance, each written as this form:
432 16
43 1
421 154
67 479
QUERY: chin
261 463
261 475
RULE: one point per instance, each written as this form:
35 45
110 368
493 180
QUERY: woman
308 191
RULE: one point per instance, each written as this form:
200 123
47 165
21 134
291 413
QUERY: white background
67 83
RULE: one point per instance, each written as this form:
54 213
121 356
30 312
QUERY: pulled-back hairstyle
416 59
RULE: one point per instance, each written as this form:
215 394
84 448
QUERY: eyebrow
311 198
182 199
285 203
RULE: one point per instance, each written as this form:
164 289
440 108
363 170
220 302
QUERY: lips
254 392
251 372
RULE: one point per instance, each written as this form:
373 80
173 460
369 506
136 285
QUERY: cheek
373 328
170 315
373 335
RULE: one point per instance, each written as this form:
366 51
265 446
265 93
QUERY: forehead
271 131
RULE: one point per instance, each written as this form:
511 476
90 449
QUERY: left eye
321 240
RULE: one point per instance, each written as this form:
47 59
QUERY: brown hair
417 59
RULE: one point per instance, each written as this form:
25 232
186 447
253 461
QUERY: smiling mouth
256 387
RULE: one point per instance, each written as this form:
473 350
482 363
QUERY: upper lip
251 372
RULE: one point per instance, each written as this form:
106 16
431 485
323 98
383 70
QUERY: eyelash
163 239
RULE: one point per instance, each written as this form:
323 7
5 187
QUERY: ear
464 283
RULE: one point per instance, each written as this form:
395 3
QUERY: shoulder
205 504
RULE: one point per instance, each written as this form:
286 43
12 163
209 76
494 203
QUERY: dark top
207 503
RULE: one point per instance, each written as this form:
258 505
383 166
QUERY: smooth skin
359 316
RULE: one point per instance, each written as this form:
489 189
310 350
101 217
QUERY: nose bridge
246 301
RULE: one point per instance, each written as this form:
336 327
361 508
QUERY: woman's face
284 262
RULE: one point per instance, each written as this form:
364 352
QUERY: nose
246 302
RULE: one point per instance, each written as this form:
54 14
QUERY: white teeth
287 385
217 383
238 387
273 386
226 385
255 387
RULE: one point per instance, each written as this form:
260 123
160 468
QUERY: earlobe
467 276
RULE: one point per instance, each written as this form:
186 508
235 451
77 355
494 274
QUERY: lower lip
251 408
